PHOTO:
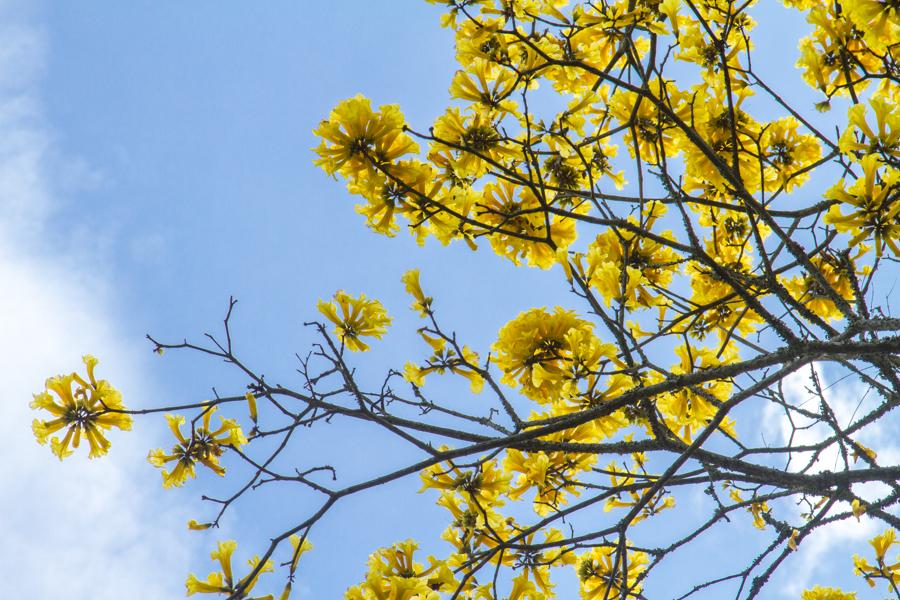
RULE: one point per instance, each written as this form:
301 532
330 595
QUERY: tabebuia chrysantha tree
718 246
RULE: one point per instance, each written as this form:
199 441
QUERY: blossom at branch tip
83 407
204 445
355 318
422 302
357 140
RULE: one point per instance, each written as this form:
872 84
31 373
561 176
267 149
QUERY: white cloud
80 529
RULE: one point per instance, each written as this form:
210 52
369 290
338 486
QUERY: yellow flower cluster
355 318
83 408
823 593
552 476
691 409
223 582
630 268
204 445
472 496
357 140
520 226
883 568
607 572
715 305
808 290
394 574
547 355
836 56
872 200
445 359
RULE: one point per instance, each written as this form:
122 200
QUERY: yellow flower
444 359
858 508
300 547
481 40
298 550
594 395
882 569
861 451
728 131
835 57
883 542
87 410
715 304
414 374
757 509
697 47
474 524
356 139
204 445
623 477
358 318
594 44
522 589
222 582
537 566
553 476
406 187
800 4
651 133
691 409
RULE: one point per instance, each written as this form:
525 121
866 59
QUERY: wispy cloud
84 529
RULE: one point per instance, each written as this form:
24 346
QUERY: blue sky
157 161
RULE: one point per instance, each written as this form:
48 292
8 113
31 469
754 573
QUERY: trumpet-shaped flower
411 283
